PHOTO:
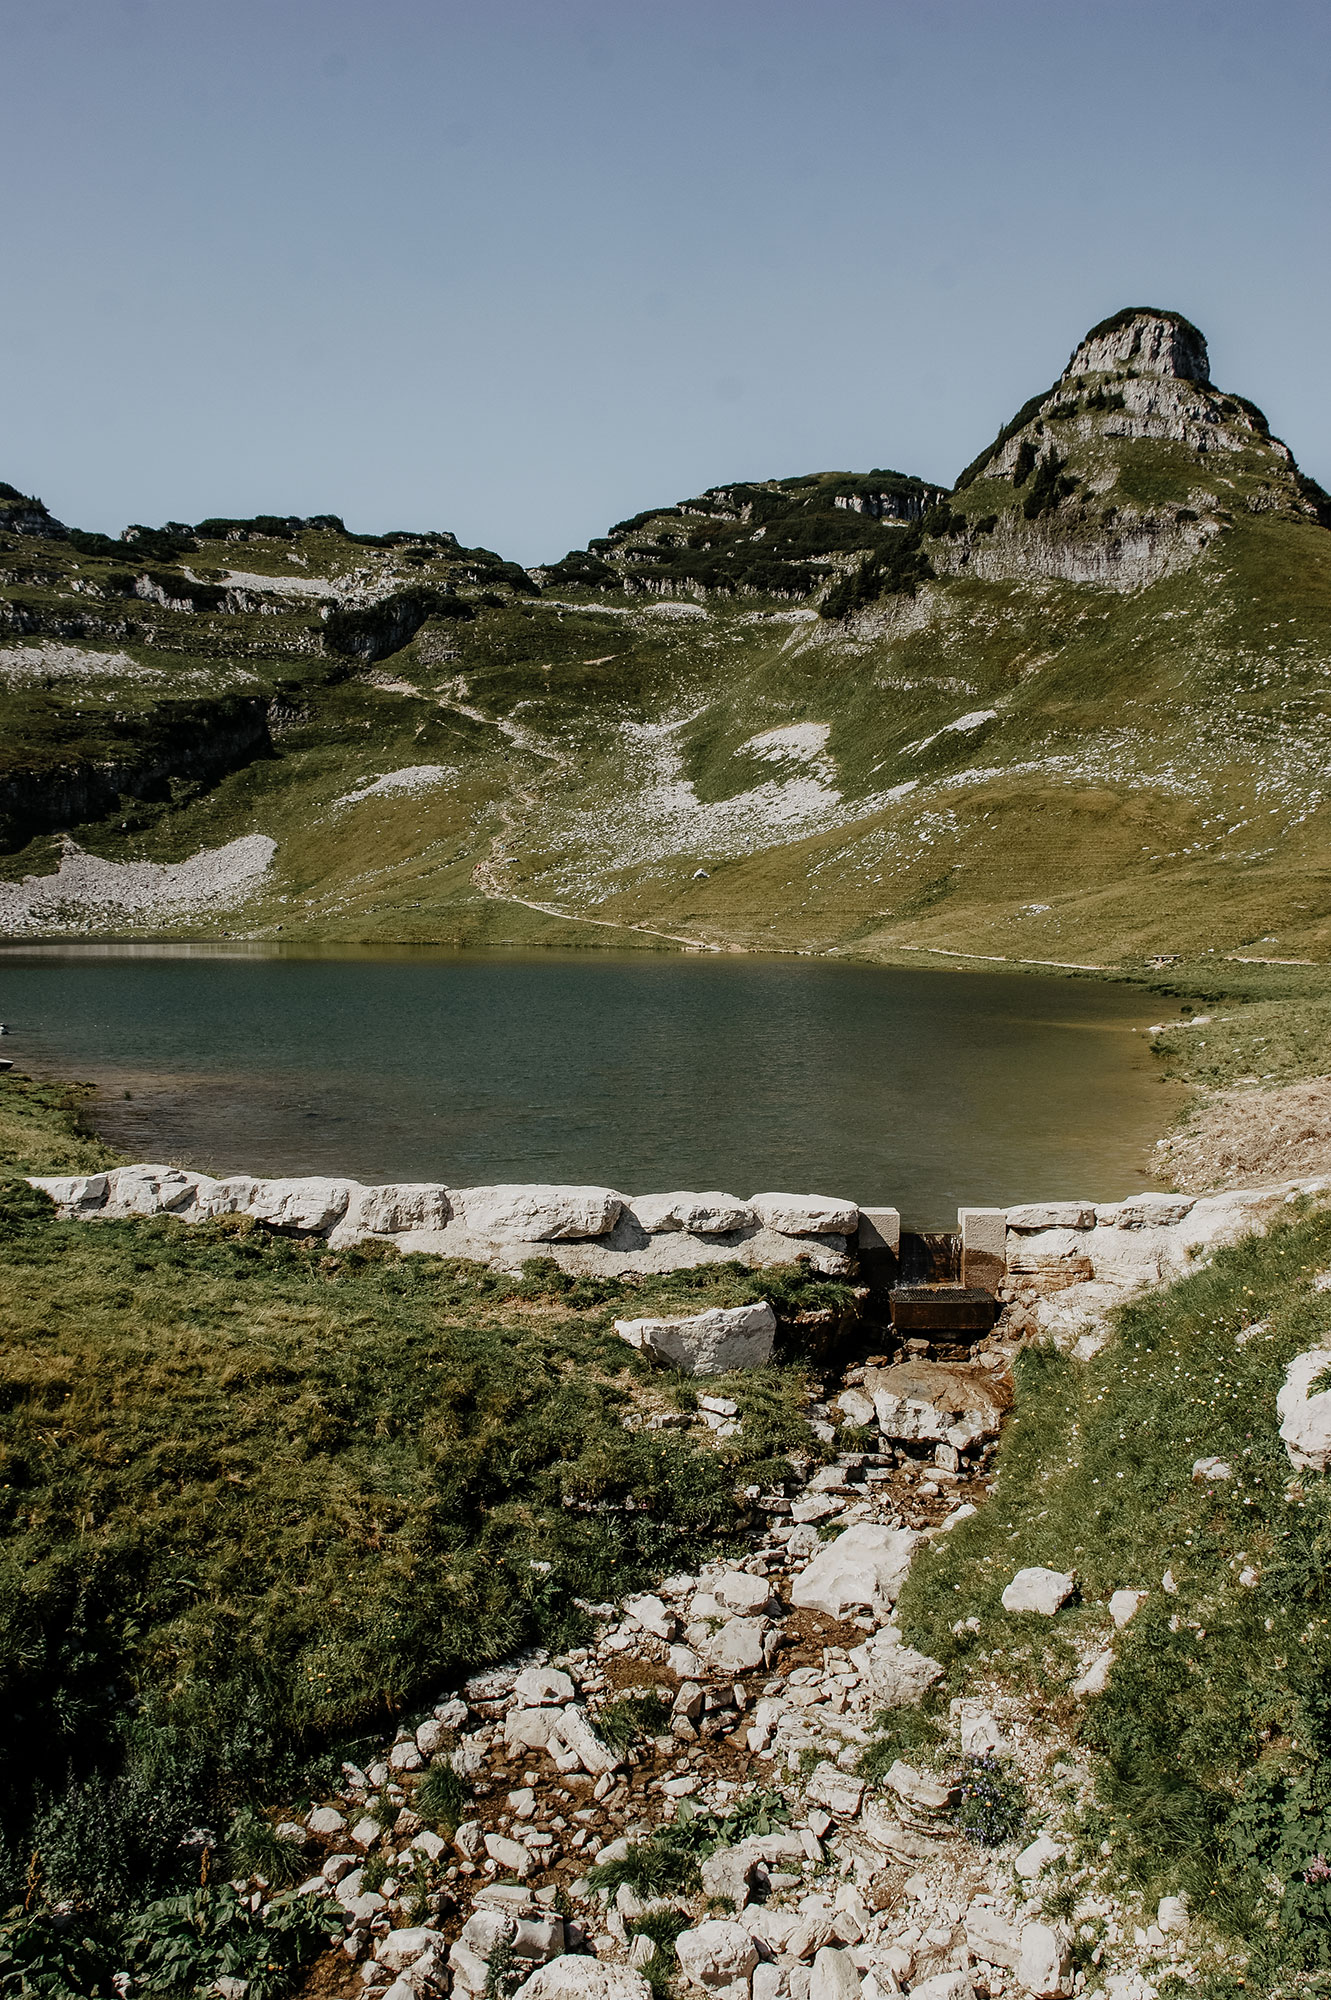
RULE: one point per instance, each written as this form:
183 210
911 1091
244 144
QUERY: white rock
1124 1606
990 1938
310 1206
1045 1965
707 1343
543 1687
708 1214
150 1190
1096 1677
918 1788
653 1616
862 1570
1213 1470
955 1985
898 1675
538 1214
573 1977
395 1207
979 1729
685 1662
836 1790
326 1821
510 1855
365 1832
1173 1914
719 1956
1150 1211
1041 1854
1033 1215
577 1734
530 1728
834 1976
73 1194
728 1874
806 1214
737 1590
431 1845
1041 1590
432 1737
1306 1415
451 1713
399 1949
742 1644
855 1407
405 1757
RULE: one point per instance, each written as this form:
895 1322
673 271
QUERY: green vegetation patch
1215 1726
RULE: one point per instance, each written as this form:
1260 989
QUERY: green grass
258 1500
1215 1728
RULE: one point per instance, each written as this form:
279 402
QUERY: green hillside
1073 709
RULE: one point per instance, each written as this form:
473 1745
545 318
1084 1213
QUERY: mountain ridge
1033 715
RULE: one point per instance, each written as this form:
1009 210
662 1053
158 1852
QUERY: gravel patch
86 891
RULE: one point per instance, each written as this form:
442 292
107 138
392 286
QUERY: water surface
641 1071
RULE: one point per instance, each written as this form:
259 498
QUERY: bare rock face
1145 341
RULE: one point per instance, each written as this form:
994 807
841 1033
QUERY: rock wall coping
588 1230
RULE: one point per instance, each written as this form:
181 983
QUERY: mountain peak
1143 340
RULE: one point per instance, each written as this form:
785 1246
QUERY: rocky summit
1069 708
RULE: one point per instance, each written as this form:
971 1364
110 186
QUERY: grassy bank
258 1499
1215 1726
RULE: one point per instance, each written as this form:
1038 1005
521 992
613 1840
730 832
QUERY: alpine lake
642 1071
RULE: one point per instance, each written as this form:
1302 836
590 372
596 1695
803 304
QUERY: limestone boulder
706 1343
919 1788
1304 1407
542 1687
729 1874
1041 1590
863 1570
806 1214
395 1207
531 1213
897 1675
710 1214
740 1591
991 1937
1044 1966
572 1977
718 1956
834 1976
74 1194
1036 1215
309 1206
742 1645
149 1190
577 1735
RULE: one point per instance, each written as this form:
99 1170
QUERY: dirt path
485 875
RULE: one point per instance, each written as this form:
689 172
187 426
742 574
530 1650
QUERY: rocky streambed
759 1683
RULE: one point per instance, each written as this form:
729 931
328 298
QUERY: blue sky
519 270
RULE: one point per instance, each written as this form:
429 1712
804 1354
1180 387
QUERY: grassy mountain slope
1073 710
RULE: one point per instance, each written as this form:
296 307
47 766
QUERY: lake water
641 1071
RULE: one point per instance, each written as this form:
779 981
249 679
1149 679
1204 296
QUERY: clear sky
519 269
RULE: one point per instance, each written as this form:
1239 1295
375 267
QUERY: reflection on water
642 1071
